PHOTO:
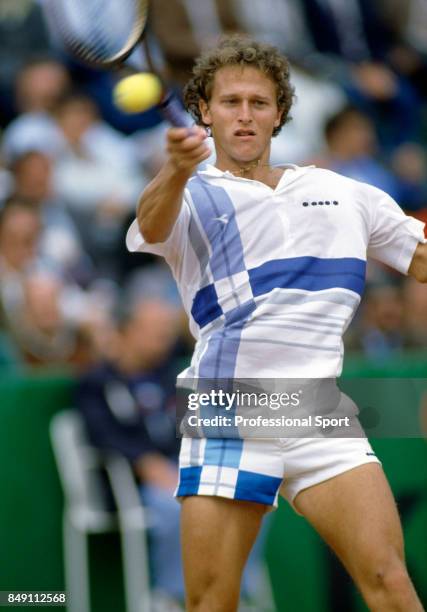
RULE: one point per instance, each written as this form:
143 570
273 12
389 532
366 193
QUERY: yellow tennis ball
137 93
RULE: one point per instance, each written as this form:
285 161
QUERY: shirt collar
211 171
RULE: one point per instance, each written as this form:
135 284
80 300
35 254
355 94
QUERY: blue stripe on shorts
189 481
258 488
250 486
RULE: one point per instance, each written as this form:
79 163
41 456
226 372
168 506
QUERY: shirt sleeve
393 236
171 249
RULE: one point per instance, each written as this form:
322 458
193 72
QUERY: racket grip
173 111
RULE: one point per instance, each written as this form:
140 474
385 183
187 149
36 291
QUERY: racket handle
173 111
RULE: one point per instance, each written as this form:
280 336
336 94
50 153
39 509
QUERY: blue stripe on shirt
205 306
307 273
217 215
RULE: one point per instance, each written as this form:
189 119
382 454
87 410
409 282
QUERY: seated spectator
60 242
38 87
47 319
39 327
352 44
352 148
97 175
20 228
40 84
128 403
379 330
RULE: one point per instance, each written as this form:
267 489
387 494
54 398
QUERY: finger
180 134
189 156
193 160
187 149
201 151
191 143
185 146
177 134
197 130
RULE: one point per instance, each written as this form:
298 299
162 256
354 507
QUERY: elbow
151 233
421 275
418 267
420 271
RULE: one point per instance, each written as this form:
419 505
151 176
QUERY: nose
245 115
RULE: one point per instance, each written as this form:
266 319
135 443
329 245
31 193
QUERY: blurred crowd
72 165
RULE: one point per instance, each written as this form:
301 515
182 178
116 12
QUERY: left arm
418 267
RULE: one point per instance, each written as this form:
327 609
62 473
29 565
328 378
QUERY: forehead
241 80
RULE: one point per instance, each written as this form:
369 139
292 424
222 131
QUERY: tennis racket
103 34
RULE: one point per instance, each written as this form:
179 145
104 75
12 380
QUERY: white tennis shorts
258 470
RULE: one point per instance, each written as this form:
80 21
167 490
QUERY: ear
205 112
278 118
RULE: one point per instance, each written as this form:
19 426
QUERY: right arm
161 201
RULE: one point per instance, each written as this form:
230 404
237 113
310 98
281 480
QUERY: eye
260 103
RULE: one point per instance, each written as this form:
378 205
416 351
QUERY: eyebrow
237 95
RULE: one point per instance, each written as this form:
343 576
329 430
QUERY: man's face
33 177
152 332
242 113
19 236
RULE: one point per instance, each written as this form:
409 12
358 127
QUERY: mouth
244 134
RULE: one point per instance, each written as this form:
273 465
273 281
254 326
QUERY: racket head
100 33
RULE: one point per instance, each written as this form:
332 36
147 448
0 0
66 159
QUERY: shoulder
208 177
350 186
323 174
205 185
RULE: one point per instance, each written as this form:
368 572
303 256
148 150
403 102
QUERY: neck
252 170
256 169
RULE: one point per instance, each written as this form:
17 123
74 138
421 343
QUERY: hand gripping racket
103 34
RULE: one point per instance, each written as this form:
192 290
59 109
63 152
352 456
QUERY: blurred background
89 328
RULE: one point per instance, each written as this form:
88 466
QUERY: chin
245 158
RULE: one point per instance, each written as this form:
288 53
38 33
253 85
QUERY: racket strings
98 31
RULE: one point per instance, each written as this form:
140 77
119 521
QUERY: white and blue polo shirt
271 278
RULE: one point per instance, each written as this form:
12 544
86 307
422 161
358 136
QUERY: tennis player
270 263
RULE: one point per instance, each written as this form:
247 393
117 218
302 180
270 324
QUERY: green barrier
304 575
31 555
30 511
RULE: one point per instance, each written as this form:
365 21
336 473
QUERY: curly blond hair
240 50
